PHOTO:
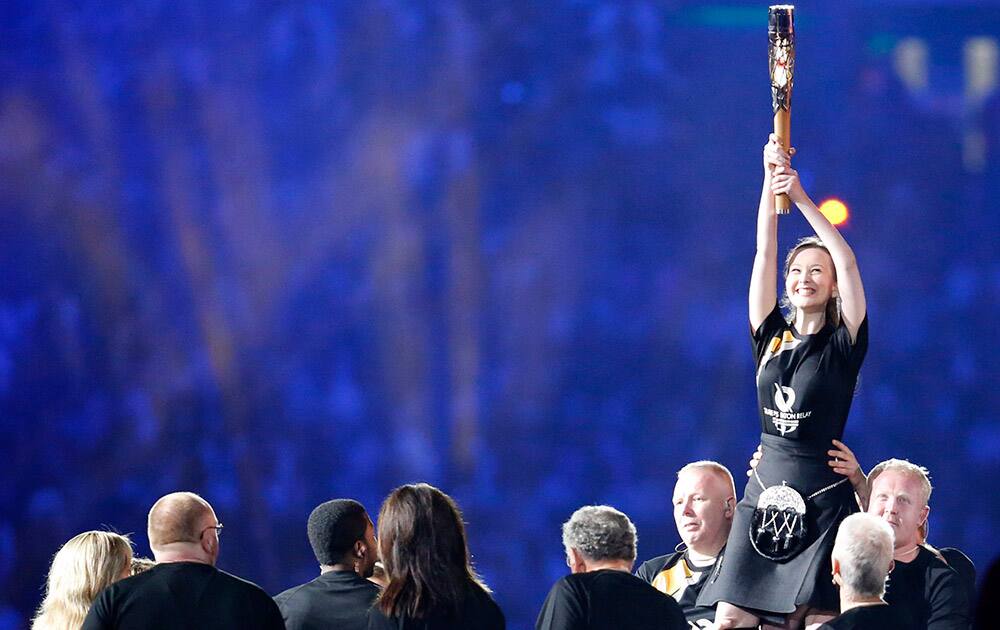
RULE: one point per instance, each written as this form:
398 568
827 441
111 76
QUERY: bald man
704 502
184 589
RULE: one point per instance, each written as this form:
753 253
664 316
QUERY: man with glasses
184 589
343 540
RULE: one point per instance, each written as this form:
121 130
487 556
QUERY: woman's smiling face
811 279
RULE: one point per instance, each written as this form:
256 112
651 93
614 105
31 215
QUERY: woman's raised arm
764 277
852 291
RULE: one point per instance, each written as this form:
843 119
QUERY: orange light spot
834 210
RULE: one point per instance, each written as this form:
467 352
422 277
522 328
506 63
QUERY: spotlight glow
834 210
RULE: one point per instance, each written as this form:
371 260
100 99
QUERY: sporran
778 527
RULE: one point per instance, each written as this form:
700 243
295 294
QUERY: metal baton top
780 20
781 54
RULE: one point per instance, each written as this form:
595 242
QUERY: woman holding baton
776 569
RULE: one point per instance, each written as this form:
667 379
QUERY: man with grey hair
920 583
861 561
601 592
184 589
704 503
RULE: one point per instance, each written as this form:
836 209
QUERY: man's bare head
179 517
704 505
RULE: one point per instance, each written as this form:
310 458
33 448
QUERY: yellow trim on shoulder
674 580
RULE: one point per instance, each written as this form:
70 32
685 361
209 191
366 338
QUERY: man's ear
730 507
360 549
835 570
925 514
576 562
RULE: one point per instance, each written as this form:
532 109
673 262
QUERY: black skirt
772 589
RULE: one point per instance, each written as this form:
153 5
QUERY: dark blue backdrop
280 252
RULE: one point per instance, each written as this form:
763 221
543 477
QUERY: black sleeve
497 621
482 612
645 572
285 607
676 616
649 569
562 609
271 615
966 570
378 621
100 615
854 352
761 338
947 601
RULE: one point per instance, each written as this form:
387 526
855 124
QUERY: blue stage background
281 252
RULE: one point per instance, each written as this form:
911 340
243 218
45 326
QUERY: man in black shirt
958 561
988 603
920 583
184 590
601 592
964 567
343 539
704 503
861 559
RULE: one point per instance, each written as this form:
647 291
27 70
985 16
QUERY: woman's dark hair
424 551
833 304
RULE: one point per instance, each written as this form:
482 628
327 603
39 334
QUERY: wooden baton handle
783 129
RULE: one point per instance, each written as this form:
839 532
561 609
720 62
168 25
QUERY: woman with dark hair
431 582
776 569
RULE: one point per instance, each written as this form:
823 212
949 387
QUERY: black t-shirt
930 591
605 599
877 617
678 577
805 383
987 609
185 595
336 599
478 611
964 567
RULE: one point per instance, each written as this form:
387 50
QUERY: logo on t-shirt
785 420
784 397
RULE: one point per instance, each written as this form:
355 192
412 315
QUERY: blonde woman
80 570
